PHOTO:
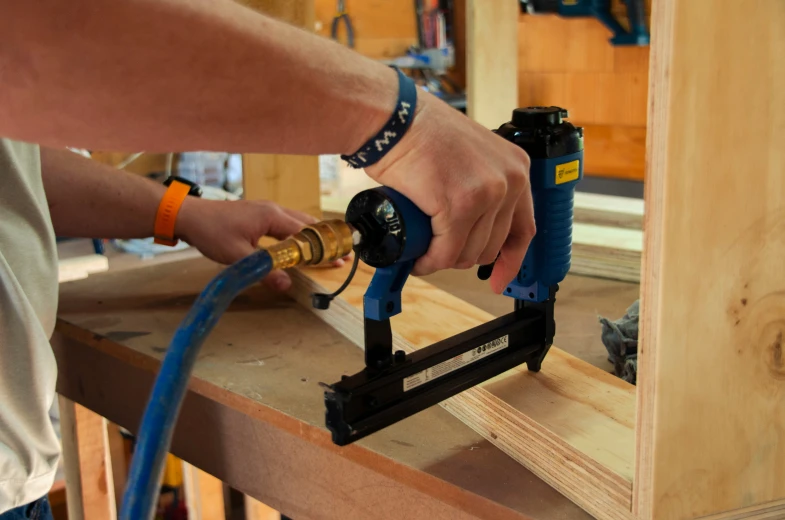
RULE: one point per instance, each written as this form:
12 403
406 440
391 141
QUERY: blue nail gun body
395 233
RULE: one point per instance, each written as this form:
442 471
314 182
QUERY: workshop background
562 61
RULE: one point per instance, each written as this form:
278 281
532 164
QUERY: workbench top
254 415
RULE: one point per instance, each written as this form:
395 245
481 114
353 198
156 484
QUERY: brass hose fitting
320 243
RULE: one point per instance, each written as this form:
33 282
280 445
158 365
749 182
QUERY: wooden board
87 464
204 494
570 63
255 510
254 414
614 151
383 29
608 210
290 180
571 424
606 252
78 268
491 61
711 368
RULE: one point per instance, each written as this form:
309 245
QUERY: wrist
191 212
373 112
394 128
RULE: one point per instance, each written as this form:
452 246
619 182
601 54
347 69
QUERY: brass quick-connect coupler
320 243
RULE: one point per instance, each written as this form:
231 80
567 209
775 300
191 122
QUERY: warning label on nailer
453 364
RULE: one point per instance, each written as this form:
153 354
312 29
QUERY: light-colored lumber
606 252
87 464
254 413
382 29
491 61
255 510
119 457
608 237
571 424
80 267
711 369
608 210
290 180
569 62
204 494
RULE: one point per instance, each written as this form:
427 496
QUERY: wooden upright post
88 470
711 394
491 60
289 180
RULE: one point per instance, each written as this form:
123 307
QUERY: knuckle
529 228
518 180
443 262
487 257
522 157
497 188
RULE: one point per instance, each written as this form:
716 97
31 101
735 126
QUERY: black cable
322 300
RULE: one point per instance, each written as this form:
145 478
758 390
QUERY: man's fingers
477 241
442 254
281 224
302 216
514 249
278 281
501 229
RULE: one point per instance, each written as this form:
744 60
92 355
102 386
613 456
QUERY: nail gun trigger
484 271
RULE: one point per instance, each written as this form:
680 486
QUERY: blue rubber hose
155 432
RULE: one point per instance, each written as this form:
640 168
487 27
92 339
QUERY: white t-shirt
29 449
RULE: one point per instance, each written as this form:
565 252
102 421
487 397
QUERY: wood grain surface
572 424
712 375
254 413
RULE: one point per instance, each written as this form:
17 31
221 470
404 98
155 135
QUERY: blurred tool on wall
342 18
428 61
626 19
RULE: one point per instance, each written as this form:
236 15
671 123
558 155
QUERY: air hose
318 244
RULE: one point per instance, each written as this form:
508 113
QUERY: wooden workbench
254 413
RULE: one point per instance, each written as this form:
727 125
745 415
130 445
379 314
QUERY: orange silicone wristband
167 213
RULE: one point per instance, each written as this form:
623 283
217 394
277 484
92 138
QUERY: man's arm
92 200
176 75
171 75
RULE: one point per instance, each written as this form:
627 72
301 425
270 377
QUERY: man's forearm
172 75
89 199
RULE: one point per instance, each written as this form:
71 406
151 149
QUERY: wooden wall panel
491 61
382 28
290 180
570 63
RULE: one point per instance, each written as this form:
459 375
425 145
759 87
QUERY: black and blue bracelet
392 132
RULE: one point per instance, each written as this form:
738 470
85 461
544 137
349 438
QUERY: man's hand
473 184
228 231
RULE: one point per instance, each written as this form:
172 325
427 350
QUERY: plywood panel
204 494
254 414
571 423
615 151
711 401
491 61
290 180
570 63
383 29
87 464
